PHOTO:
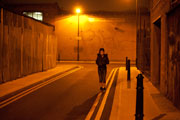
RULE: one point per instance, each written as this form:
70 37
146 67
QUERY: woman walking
102 60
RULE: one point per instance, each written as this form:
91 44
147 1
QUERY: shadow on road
159 117
79 112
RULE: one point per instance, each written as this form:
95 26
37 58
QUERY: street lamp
78 11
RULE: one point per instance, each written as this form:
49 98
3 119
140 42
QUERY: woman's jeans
102 75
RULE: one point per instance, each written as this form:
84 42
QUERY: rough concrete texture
115 33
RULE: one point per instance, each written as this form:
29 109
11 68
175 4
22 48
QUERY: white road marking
101 108
89 115
30 90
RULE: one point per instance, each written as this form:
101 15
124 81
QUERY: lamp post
78 11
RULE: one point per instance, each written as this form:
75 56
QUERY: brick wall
27 46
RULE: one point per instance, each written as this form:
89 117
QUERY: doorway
157 51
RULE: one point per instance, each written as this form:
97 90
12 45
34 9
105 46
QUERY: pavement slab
156 106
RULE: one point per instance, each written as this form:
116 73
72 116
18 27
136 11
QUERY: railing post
128 70
139 98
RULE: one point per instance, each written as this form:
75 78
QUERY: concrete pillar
164 53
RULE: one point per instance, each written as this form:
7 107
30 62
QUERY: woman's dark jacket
102 61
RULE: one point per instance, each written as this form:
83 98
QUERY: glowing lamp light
78 10
91 19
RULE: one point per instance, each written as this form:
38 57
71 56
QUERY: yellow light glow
78 10
91 19
82 19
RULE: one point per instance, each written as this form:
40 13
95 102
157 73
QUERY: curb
93 62
33 84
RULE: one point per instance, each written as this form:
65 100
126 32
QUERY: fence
26 46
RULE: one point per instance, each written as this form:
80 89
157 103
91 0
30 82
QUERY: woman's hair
101 49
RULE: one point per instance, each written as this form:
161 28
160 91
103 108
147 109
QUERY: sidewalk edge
33 84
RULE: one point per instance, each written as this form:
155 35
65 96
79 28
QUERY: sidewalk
18 84
156 106
93 62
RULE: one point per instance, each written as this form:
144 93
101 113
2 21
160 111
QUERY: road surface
68 98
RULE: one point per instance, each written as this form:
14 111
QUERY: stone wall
27 46
115 33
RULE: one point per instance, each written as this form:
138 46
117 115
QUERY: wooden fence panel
25 52
44 52
28 47
15 52
6 55
1 52
1 44
40 52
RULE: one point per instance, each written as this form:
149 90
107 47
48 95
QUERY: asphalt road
68 98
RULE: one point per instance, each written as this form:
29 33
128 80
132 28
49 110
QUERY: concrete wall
114 33
27 46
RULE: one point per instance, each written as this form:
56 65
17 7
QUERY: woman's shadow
79 112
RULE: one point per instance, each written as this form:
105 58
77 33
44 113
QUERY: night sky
87 5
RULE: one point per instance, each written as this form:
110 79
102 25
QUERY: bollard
139 98
126 62
128 69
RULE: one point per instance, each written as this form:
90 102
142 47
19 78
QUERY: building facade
45 12
143 36
165 48
173 52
